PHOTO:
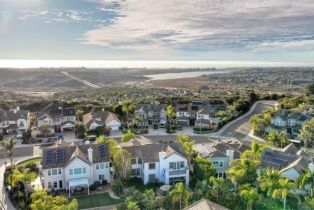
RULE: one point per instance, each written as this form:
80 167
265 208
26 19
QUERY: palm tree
242 170
306 179
181 194
307 132
269 180
218 188
283 190
9 149
170 114
127 106
255 152
249 196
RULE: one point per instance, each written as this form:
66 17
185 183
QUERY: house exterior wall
202 116
78 163
53 178
97 171
291 174
93 126
113 125
182 113
225 164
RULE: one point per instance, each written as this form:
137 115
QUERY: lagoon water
184 74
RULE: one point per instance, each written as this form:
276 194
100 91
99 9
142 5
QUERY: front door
101 177
60 184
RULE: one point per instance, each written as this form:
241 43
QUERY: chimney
162 155
90 154
230 154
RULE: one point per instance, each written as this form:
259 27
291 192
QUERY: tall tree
307 132
277 139
171 115
255 152
129 135
187 144
179 194
10 151
307 180
242 171
250 196
269 180
203 169
127 106
42 201
122 164
113 146
283 190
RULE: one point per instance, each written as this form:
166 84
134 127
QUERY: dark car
179 127
90 138
155 126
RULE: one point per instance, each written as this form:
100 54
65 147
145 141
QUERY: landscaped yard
97 200
36 161
138 184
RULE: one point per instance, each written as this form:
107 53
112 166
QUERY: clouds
206 25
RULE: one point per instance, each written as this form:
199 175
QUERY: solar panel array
52 157
60 155
277 160
102 151
49 157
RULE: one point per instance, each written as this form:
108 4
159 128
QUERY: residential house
221 153
205 204
290 161
183 114
66 166
105 119
45 121
151 113
63 118
288 121
203 119
15 120
158 162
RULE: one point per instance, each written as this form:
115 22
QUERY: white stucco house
67 166
152 162
105 119
15 120
45 120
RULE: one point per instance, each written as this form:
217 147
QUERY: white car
19 136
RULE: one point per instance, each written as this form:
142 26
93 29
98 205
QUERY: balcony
178 172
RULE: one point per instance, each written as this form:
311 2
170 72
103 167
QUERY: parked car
179 127
155 126
90 138
19 135
162 125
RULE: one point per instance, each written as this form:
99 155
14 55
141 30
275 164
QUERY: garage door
115 127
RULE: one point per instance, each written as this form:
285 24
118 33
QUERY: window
77 171
84 170
139 160
171 165
49 185
59 171
221 164
176 165
151 177
102 166
215 163
133 161
182 164
151 166
49 172
107 165
97 166
136 172
71 171
54 171
55 184
218 164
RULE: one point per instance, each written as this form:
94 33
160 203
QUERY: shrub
117 187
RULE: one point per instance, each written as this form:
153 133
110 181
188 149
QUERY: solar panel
60 155
102 151
48 157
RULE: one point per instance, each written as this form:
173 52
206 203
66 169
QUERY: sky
158 30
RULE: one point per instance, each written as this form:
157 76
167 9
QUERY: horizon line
154 64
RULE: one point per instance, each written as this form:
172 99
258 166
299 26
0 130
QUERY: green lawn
97 200
36 160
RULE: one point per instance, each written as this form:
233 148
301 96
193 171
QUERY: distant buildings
15 120
288 121
104 119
